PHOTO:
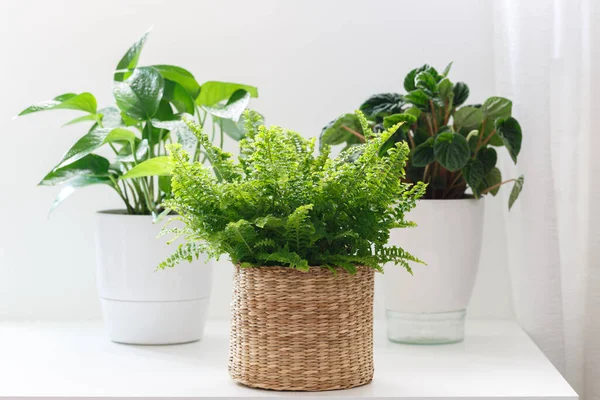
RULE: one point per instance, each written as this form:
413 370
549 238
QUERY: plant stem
352 131
433 116
118 189
487 139
479 138
497 185
222 138
429 125
411 139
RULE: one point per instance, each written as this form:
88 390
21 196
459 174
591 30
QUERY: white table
74 359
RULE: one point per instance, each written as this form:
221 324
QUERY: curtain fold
543 61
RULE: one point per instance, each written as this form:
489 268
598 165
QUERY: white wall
311 61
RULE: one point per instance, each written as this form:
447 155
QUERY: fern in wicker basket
279 204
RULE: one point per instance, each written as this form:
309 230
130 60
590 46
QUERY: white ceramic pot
430 306
140 304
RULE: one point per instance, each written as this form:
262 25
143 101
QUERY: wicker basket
294 330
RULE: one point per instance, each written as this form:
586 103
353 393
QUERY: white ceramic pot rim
121 212
464 199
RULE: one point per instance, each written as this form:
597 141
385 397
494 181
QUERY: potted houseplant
306 234
141 306
452 149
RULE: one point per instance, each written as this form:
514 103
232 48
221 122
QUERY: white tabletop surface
74 359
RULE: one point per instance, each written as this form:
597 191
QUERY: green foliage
150 104
452 145
279 204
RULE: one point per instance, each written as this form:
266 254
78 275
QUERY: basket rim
311 269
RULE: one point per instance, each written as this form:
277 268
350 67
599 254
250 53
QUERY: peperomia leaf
213 92
139 95
447 69
488 158
381 105
494 177
234 108
445 89
419 99
516 190
157 166
410 79
181 76
69 101
461 93
426 82
423 154
91 164
130 59
496 107
340 131
468 117
473 172
451 150
392 120
509 130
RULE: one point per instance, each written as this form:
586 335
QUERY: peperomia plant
279 204
452 145
150 103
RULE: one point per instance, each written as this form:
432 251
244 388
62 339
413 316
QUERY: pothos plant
452 145
279 204
150 102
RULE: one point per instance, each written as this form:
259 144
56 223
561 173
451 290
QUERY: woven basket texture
309 331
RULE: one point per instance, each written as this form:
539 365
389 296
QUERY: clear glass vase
426 328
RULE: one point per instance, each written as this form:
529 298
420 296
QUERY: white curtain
547 57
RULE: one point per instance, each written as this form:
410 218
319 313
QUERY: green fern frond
279 204
185 252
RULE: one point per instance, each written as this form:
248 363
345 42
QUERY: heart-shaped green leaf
446 92
130 59
423 154
95 138
340 131
419 99
139 95
213 92
516 190
91 164
179 97
509 130
461 93
473 172
69 101
426 82
181 76
468 117
157 166
496 107
492 178
392 120
488 158
381 105
234 108
410 79
451 150
236 130
77 182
